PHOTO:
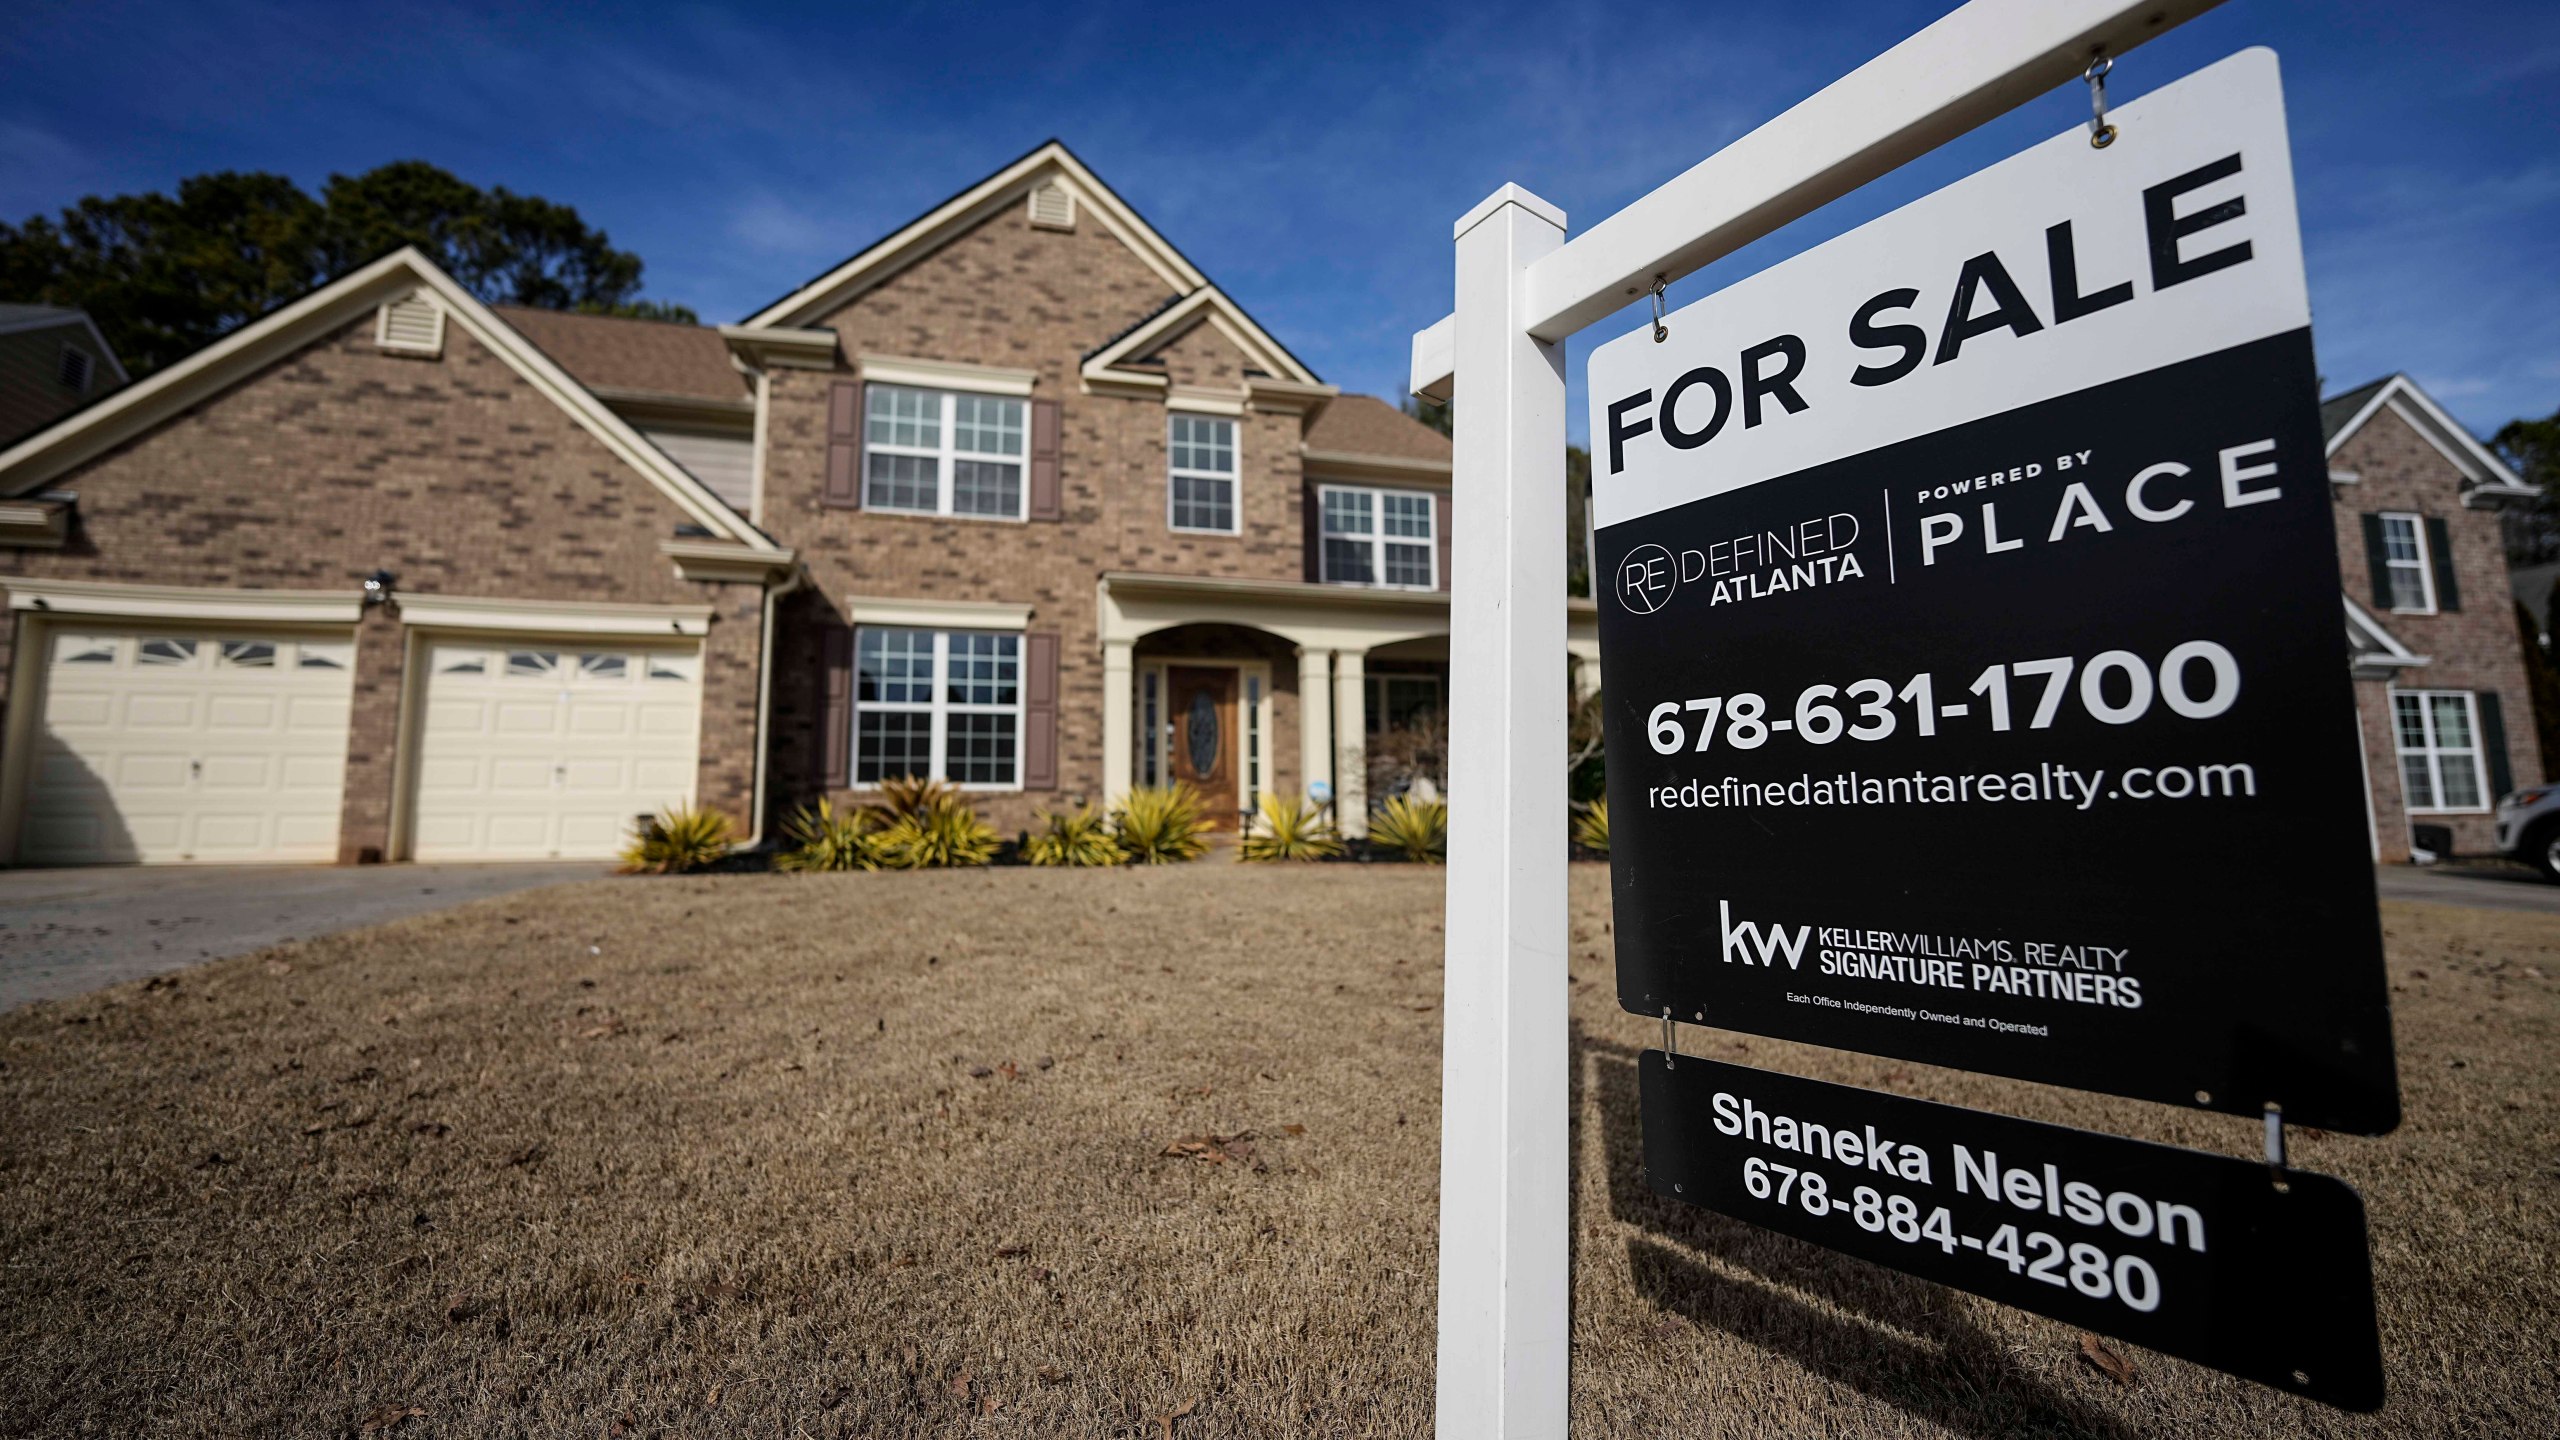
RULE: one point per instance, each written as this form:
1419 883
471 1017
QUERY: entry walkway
66 931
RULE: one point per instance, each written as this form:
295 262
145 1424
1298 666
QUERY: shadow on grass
1900 1341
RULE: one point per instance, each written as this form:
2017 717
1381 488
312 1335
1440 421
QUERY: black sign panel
2232 1264
2024 747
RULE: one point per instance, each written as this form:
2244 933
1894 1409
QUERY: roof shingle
1366 425
609 352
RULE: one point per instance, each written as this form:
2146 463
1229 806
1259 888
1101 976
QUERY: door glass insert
1202 739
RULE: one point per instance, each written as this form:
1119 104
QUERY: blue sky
1310 159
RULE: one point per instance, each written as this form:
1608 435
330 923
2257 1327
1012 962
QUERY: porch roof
1330 617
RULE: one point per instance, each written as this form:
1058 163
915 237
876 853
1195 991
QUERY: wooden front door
1204 735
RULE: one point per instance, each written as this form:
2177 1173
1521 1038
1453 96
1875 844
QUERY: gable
45 456
2409 413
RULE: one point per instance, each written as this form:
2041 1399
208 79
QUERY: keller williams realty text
2037 969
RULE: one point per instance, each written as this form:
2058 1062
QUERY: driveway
2481 886
66 931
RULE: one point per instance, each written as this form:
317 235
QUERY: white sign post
1522 289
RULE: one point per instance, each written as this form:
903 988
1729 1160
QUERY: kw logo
1741 939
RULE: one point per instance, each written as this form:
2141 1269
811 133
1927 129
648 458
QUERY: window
84 650
1396 701
1202 493
75 369
937 704
604 667
2437 732
1380 537
248 655
167 652
2404 556
936 452
324 655
533 664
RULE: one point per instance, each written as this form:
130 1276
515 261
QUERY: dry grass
716 1155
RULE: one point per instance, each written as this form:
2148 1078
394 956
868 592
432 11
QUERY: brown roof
608 352
1366 425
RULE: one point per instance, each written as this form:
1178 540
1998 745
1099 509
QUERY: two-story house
2441 694
1015 497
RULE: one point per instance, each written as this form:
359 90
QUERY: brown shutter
844 444
1442 506
1046 503
836 722
1040 711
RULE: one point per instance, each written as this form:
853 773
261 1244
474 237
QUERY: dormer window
75 369
410 325
1053 207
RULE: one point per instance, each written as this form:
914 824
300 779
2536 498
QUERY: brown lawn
887 1155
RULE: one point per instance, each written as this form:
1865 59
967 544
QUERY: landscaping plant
823 838
1591 828
687 837
1415 829
939 832
1081 837
1290 830
905 795
1161 824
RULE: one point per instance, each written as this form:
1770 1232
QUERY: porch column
1315 717
1118 734
1351 749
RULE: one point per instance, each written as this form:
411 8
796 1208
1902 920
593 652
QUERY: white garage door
532 751
176 746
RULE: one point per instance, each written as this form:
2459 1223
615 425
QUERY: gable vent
76 369
411 325
1053 207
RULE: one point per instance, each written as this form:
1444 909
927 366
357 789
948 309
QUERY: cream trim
719 560
651 407
2476 461
1288 397
186 602
382 338
831 291
1200 400
1344 462
789 349
947 375
92 431
556 617
1209 303
937 614
1133 605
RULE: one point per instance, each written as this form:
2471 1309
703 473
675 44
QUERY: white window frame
2424 564
1379 682
2437 755
946 454
941 707
1378 539
1234 478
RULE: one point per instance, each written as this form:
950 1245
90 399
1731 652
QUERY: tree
2533 448
165 275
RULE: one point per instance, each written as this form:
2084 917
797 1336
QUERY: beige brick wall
1005 294
451 472
2474 648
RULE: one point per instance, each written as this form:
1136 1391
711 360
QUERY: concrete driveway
2476 886
66 931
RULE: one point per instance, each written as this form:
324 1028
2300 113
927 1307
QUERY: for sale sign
1978 687
2260 1272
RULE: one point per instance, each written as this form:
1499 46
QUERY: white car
2529 828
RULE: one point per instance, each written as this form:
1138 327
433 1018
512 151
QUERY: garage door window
167 652
938 704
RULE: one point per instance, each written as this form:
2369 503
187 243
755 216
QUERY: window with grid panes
1201 490
937 452
2438 735
937 704
1379 537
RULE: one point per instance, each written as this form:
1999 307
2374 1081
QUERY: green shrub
1415 829
1161 825
687 837
1290 830
907 795
1080 838
939 831
1591 830
822 839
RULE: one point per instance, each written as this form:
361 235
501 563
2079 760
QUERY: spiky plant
677 839
822 838
943 832
1290 830
1415 829
1161 824
1080 837
905 795
1591 828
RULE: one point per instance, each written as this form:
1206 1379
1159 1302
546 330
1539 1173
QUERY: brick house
2441 694
1015 496
52 362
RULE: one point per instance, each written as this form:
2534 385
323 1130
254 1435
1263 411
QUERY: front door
1204 735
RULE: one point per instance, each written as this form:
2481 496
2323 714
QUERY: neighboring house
1015 497
2441 693
52 362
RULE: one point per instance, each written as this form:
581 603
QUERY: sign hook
1661 332
1670 1039
2101 134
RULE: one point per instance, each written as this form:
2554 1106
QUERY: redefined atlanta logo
1646 579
